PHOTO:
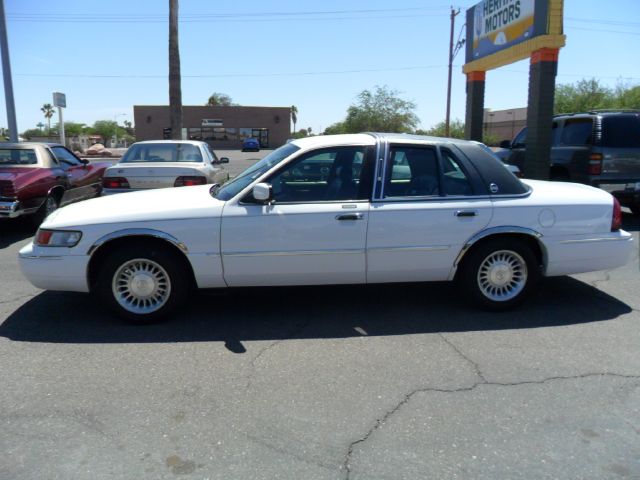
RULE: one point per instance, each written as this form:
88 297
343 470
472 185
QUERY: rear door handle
350 216
466 213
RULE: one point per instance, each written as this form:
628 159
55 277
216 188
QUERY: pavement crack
346 465
474 365
252 364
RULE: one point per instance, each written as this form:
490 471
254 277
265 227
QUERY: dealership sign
495 25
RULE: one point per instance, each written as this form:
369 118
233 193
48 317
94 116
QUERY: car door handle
350 216
466 213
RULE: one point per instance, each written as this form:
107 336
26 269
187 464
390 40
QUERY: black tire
161 276
49 206
635 209
513 263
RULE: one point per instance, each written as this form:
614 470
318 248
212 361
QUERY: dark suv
599 148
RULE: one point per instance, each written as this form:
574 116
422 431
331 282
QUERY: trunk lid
154 175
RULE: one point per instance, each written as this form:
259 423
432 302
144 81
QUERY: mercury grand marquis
344 209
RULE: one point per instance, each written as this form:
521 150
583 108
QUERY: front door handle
350 216
466 213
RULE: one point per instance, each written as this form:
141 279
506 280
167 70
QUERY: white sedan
164 163
345 209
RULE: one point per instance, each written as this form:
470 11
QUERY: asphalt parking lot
378 382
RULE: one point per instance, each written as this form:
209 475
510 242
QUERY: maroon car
37 178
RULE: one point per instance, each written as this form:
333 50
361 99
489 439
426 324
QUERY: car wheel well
57 193
99 256
530 240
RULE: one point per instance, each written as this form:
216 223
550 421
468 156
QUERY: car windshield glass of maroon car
17 156
162 152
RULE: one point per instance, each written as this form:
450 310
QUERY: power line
603 31
597 21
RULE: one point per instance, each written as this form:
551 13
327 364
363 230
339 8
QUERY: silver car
165 163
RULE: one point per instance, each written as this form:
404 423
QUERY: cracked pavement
379 382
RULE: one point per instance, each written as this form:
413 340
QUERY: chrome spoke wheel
502 275
141 286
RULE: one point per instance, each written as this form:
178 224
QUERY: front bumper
53 268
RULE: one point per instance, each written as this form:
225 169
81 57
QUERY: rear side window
17 156
621 131
577 131
413 172
454 179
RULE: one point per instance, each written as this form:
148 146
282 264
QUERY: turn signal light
616 218
189 181
595 164
115 182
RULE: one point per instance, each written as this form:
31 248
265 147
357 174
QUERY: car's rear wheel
142 284
49 206
500 274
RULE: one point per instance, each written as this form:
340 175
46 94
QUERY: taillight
115 182
616 218
189 181
595 164
43 237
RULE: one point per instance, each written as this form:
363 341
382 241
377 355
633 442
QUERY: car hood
143 206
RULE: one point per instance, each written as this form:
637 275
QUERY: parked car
165 163
37 178
600 148
453 212
250 144
512 168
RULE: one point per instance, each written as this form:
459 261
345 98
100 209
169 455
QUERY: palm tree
48 111
175 89
294 116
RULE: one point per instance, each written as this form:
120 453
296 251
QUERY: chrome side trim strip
593 240
295 253
139 232
433 248
40 257
493 231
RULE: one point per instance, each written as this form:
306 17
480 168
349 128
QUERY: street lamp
115 119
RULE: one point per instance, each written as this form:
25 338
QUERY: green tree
584 95
31 133
73 129
175 80
220 100
380 110
456 129
627 97
335 129
106 129
48 110
294 116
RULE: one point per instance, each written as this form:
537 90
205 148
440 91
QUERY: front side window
162 152
330 174
577 131
520 140
412 172
65 156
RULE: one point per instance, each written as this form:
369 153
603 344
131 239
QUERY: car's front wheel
142 284
499 274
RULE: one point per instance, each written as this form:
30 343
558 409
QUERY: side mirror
263 192
505 144
84 161
224 160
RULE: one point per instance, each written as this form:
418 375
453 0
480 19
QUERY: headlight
57 238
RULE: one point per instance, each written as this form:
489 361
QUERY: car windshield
232 188
17 156
162 152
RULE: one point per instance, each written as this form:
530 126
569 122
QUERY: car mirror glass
505 144
224 160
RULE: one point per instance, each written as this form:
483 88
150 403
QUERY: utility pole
451 55
6 73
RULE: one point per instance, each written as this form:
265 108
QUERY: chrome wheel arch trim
510 229
137 232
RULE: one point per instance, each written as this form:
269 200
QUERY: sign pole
6 73
61 126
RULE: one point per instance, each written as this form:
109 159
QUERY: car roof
28 144
191 142
370 139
